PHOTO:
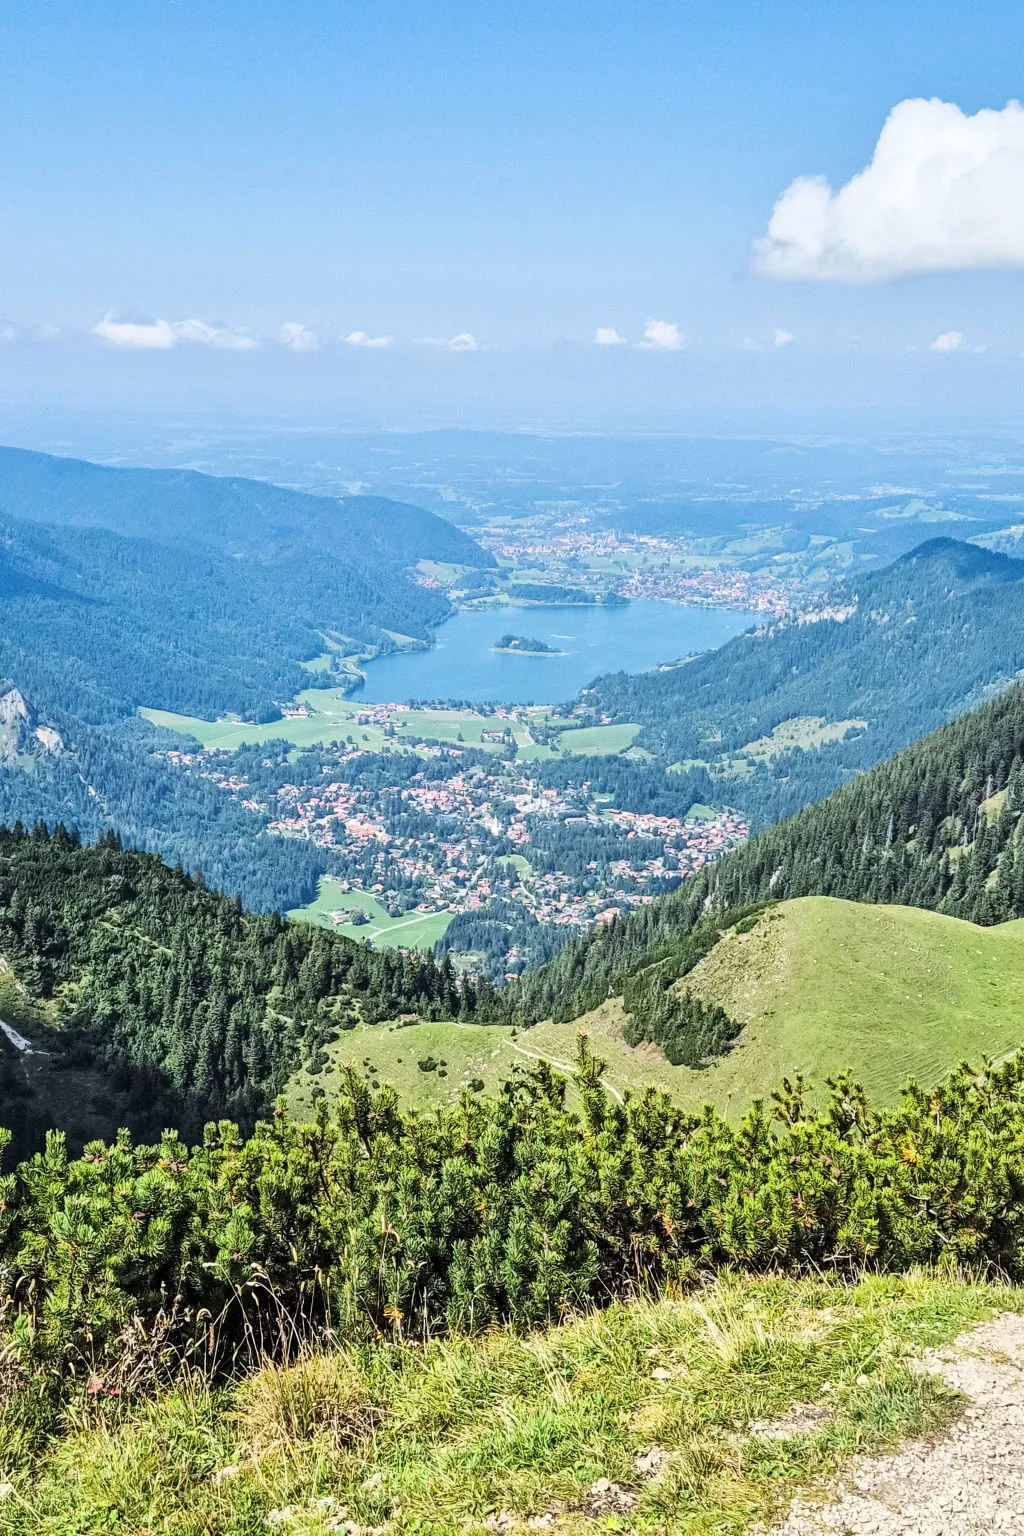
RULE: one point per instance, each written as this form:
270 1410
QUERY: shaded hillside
236 516
938 826
902 649
190 1007
268 573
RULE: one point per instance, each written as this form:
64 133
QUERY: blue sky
513 175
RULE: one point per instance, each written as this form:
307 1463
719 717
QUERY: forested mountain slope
902 649
938 826
239 517
192 1008
101 612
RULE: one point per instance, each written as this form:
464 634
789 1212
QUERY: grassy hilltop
819 985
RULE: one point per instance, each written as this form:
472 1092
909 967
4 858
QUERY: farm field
598 739
333 716
416 930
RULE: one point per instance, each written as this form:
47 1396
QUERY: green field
821 985
598 739
332 718
416 930
471 1052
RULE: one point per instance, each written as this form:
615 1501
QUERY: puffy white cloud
949 341
161 335
608 336
661 336
298 338
144 335
361 339
943 192
782 338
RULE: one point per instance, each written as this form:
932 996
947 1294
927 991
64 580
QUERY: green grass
819 986
822 985
594 739
891 992
471 1053
803 731
332 718
439 1438
414 930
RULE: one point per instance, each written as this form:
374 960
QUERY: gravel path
968 1481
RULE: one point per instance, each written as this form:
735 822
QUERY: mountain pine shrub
370 1222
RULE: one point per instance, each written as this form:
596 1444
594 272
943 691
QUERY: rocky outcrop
23 737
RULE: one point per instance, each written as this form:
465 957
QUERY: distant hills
889 656
102 613
251 518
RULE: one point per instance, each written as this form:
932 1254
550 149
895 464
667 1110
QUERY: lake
594 639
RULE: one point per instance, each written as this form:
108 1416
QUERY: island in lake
525 645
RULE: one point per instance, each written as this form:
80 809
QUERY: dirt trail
563 1066
969 1481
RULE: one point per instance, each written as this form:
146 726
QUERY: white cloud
465 341
749 344
949 341
944 192
146 335
608 336
161 335
298 338
361 339
198 332
782 338
661 336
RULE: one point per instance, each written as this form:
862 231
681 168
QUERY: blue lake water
464 665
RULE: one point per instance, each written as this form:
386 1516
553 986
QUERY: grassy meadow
822 985
695 1414
598 739
332 717
819 985
415 930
